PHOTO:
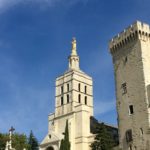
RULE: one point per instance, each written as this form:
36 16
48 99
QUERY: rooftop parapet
137 30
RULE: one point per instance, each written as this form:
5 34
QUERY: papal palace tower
130 51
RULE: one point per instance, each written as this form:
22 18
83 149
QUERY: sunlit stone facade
73 102
131 58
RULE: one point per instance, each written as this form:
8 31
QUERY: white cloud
6 4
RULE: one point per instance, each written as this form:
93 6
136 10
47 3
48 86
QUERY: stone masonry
130 51
73 103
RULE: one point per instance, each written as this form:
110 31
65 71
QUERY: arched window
130 147
67 98
85 100
79 98
50 148
62 100
79 87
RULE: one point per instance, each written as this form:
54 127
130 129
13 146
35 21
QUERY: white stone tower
131 58
73 102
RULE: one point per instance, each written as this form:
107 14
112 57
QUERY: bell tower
73 103
130 51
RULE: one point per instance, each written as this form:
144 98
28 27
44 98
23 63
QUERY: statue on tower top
74 47
74 58
74 43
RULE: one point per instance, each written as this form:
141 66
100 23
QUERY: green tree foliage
62 145
3 139
19 141
103 139
65 143
33 143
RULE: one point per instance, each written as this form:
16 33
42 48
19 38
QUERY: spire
74 58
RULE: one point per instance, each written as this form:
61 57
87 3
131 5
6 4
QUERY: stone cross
9 143
11 130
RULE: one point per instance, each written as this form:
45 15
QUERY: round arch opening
50 148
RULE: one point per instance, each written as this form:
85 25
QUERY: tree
33 143
3 139
65 143
62 145
19 141
103 139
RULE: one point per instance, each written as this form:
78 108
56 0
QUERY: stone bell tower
130 51
73 102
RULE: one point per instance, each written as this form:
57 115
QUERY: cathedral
130 52
73 103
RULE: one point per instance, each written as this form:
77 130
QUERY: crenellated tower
130 51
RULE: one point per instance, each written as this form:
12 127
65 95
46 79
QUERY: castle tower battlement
130 51
137 30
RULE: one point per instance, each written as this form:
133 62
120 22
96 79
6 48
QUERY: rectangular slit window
79 87
67 98
85 89
124 88
62 101
67 87
85 100
62 89
129 136
79 98
148 94
125 60
131 110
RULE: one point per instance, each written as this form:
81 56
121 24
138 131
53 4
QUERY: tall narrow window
85 89
125 60
85 100
124 88
131 110
62 100
130 147
67 98
79 87
62 89
141 132
148 93
79 98
67 87
129 135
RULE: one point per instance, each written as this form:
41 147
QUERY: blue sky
35 41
